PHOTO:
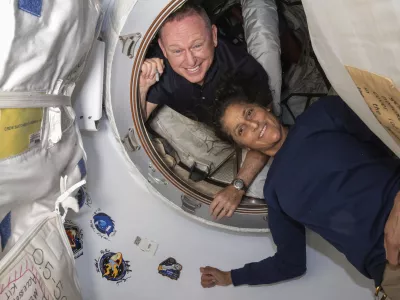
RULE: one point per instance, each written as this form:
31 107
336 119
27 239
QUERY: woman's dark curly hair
233 91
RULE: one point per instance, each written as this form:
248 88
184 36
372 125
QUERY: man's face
189 46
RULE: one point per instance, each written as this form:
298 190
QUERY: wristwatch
239 184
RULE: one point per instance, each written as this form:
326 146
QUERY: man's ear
160 43
214 31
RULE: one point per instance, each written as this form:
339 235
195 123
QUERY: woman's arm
288 262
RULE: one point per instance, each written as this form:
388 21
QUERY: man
190 63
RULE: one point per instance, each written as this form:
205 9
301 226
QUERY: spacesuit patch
103 225
112 266
83 197
170 268
75 238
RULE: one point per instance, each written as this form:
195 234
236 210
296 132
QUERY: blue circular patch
103 223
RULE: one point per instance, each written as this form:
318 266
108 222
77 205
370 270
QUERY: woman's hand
225 202
392 234
211 277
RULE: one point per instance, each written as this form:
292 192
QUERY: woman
331 174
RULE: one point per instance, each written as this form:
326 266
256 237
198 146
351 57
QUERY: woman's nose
253 124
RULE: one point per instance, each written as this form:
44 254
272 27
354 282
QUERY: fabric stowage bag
40 265
194 143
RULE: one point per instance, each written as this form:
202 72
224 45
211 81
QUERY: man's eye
249 112
176 51
197 46
240 131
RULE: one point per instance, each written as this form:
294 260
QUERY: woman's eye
249 112
240 131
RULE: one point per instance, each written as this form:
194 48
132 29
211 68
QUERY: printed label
19 130
382 97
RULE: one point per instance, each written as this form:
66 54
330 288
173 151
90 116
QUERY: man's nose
190 59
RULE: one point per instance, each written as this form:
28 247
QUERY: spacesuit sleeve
288 262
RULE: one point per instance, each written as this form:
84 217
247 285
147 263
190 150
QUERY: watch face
238 183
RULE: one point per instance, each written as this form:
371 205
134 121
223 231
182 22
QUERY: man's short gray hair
186 10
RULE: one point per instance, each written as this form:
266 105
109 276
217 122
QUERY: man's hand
225 202
147 78
148 72
211 277
392 234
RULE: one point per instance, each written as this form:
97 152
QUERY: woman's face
253 126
